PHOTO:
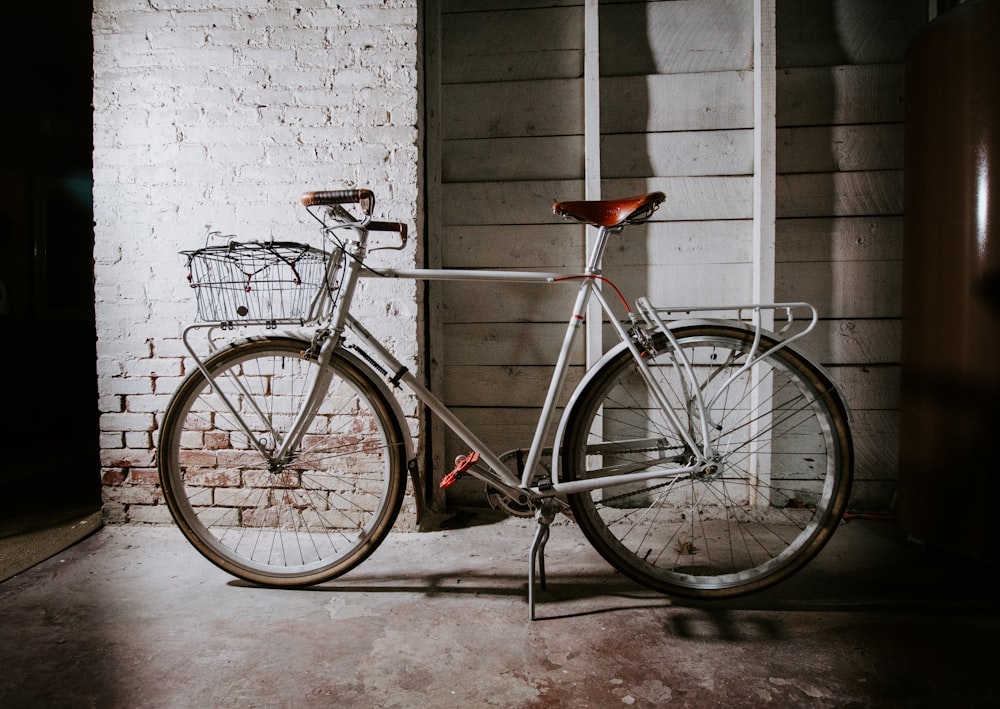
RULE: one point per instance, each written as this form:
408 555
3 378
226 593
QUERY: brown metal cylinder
949 479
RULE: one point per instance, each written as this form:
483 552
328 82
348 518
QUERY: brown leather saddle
611 212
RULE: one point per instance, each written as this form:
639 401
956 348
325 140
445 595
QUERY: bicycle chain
621 496
645 490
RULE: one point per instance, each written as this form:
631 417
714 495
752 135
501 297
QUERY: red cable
603 280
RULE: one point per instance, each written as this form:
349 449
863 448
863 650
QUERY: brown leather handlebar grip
321 198
389 226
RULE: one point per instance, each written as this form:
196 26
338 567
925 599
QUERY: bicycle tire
786 464
313 518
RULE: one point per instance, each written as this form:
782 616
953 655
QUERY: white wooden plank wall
676 115
839 205
511 143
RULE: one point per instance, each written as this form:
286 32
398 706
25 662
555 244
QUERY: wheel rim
298 521
772 503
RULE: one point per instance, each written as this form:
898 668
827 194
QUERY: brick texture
217 115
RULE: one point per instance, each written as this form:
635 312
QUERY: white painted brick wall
218 114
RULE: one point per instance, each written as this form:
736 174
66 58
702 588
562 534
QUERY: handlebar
363 197
389 226
326 198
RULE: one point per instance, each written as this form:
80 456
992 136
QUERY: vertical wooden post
764 180
592 152
432 442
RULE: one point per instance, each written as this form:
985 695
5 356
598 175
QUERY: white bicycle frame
499 474
330 338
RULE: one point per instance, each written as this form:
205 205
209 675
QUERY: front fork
326 342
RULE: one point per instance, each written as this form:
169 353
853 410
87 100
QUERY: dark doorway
47 358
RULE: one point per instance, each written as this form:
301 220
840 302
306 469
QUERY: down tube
426 396
403 375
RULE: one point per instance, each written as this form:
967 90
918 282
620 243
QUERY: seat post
600 244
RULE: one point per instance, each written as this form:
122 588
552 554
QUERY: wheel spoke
297 521
767 504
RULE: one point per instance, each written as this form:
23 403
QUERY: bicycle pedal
462 463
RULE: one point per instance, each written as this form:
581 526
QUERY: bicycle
701 456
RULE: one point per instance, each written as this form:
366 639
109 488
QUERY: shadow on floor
135 617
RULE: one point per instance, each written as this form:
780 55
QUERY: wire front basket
259 282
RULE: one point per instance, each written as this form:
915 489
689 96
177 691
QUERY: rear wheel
288 523
774 498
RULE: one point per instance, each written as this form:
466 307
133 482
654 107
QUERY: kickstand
544 515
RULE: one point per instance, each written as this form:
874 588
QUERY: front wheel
292 522
775 496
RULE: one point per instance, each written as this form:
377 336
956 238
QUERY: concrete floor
134 617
